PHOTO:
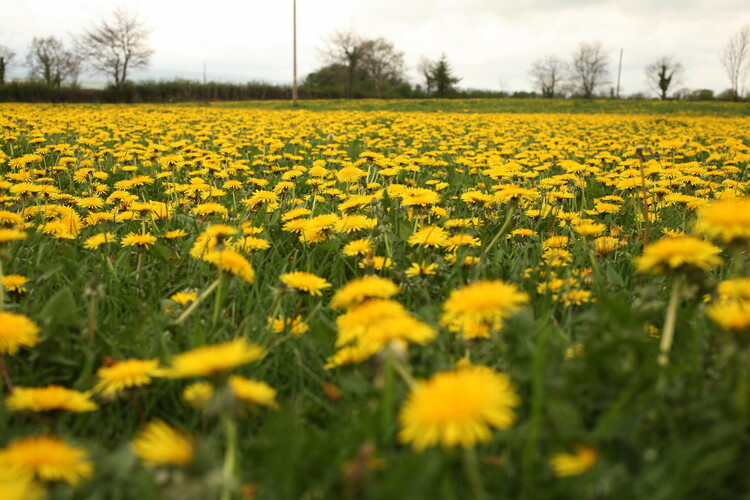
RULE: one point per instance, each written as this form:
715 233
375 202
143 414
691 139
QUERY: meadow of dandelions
239 302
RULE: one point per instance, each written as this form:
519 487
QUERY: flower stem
511 210
537 403
217 300
195 304
667 336
230 455
2 288
386 397
471 465
6 376
403 372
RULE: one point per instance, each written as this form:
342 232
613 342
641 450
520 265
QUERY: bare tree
589 69
118 45
376 60
548 72
6 56
664 73
425 67
735 57
382 63
346 49
49 60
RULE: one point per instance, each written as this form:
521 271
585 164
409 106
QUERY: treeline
189 90
153 91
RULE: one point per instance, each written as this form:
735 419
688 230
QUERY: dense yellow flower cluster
431 211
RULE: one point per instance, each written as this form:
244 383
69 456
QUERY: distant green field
702 108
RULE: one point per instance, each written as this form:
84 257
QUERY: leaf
60 309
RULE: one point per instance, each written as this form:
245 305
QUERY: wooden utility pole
294 43
619 71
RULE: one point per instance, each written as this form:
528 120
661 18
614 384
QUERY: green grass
585 374
577 106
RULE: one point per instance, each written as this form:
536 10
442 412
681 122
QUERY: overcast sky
489 43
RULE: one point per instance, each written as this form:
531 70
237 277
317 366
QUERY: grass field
576 106
375 299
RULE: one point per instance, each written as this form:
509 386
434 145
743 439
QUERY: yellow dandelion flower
47 458
10 218
462 240
522 232
214 359
589 229
458 408
143 240
210 209
377 262
175 234
429 236
16 485
419 197
7 235
479 308
233 263
373 324
421 269
727 219
50 398
295 213
360 289
675 254
198 394
352 223
17 330
125 374
606 244
245 390
731 315
250 244
184 298
348 355
576 297
220 231
98 240
15 283
253 392
160 445
350 173
555 242
296 326
361 246
573 464
738 288
304 282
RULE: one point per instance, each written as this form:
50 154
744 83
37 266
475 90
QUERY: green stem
230 455
386 397
6 376
2 288
403 371
471 465
217 300
485 251
537 400
92 316
741 393
670 320
187 312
